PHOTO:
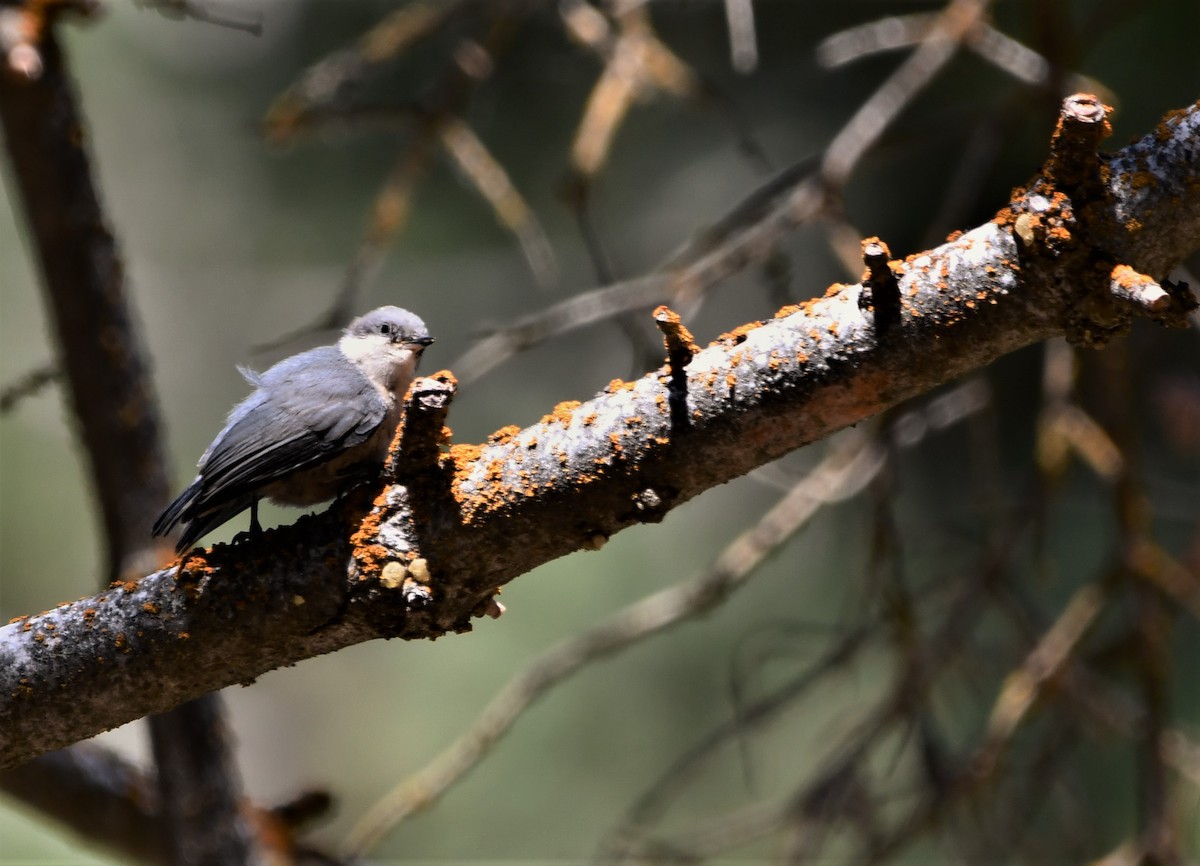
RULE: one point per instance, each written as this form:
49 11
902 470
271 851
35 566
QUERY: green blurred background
229 244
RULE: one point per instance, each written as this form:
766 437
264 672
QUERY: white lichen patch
393 532
976 248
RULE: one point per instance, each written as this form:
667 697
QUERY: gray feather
309 427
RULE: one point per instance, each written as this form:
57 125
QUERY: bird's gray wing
307 410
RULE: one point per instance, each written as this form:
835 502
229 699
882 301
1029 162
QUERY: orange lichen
590 418
1004 217
617 385
675 335
150 607
784 312
492 496
739 333
194 563
462 458
562 412
371 559
367 552
953 236
1165 129
663 313
1141 179
1127 278
874 241
504 435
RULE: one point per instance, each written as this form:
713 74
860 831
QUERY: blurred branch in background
100 796
221 14
750 232
324 96
906 31
110 803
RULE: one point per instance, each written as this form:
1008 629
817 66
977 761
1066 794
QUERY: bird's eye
385 328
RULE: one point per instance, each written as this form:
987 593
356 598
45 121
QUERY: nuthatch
316 424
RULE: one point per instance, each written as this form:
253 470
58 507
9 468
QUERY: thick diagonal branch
430 552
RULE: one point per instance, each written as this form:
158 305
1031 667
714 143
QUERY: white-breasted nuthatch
316 424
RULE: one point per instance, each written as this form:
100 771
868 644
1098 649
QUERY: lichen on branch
425 554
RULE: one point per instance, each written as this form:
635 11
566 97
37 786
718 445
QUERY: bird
315 425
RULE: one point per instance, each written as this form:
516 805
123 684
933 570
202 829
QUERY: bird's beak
421 342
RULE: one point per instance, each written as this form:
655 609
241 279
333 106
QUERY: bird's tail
184 512
174 513
199 524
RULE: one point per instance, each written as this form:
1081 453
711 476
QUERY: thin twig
488 176
207 12
575 312
28 385
1023 686
743 46
897 92
905 31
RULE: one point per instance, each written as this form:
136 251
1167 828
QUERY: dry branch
430 552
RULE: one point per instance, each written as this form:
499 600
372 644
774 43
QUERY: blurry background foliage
230 243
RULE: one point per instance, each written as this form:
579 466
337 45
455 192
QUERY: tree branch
107 374
100 354
98 795
431 551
